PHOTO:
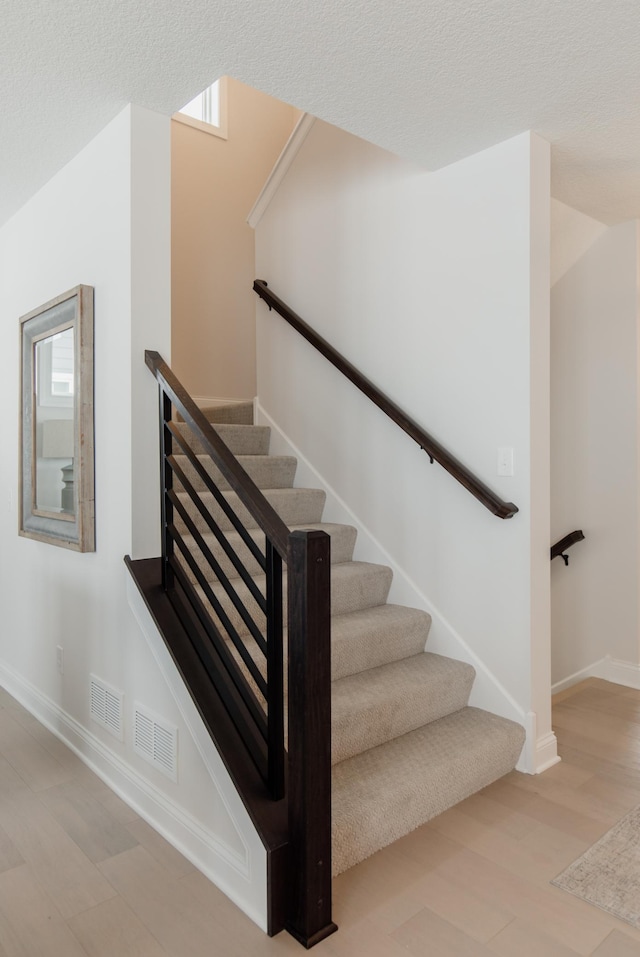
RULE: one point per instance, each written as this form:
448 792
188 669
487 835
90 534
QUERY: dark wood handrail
434 450
301 774
560 547
246 489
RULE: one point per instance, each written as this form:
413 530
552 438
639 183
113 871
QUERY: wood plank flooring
81 874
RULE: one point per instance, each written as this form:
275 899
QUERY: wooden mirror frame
76 529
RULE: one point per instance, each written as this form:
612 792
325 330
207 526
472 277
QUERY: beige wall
214 185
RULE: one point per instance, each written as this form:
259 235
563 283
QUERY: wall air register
105 706
156 741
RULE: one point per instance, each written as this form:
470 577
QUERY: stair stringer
487 693
243 878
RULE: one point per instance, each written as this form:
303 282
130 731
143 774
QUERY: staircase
405 744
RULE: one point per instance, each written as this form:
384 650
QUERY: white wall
594 309
104 220
436 287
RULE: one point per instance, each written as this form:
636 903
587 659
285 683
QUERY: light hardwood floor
81 874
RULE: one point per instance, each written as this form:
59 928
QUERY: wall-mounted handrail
434 450
561 546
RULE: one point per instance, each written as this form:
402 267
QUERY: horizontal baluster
200 606
220 612
250 732
217 494
241 483
213 562
239 680
237 602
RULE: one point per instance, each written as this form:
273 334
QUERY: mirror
57 486
54 415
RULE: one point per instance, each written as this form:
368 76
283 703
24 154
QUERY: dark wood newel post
309 915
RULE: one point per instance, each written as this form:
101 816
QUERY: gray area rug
608 874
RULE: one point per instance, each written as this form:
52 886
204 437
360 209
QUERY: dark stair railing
252 695
434 450
560 547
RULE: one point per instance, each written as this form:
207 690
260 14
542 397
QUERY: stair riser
240 413
266 471
405 746
240 439
294 506
342 544
237 413
376 637
381 795
398 709
407 636
379 705
348 593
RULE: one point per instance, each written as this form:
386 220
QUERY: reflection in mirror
57 488
54 415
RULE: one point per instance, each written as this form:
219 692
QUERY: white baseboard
546 753
620 672
540 752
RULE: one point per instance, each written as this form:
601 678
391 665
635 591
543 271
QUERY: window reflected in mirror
54 416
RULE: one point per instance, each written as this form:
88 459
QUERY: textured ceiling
431 80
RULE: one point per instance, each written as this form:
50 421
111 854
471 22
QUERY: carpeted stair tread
354 585
405 746
388 791
236 413
240 439
406 631
343 539
375 636
387 702
295 506
384 703
267 471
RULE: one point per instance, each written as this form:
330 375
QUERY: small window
208 110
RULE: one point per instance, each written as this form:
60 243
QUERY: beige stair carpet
405 744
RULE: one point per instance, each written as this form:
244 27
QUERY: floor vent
156 741
106 706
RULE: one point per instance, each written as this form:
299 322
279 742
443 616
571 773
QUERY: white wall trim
538 754
487 691
619 672
291 148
